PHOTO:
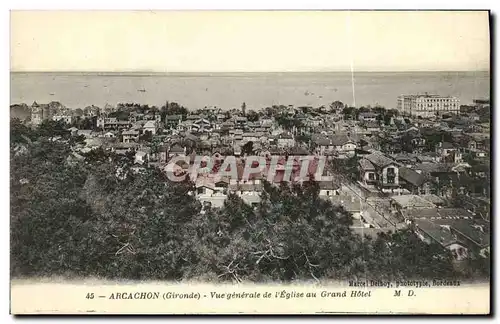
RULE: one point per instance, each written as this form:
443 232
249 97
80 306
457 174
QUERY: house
313 122
91 111
339 144
299 151
204 148
285 140
407 159
240 187
478 206
109 135
402 203
201 125
142 155
173 121
411 214
478 154
367 172
240 122
342 144
473 117
87 133
132 117
449 152
322 143
73 131
474 233
416 183
482 140
66 118
367 117
250 137
94 142
220 118
208 193
381 170
446 175
371 127
266 122
191 118
418 143
430 232
176 150
436 200
124 148
328 189
429 157
150 126
463 237
162 154
112 123
349 203
130 136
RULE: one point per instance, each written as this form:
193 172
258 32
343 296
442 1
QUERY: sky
249 41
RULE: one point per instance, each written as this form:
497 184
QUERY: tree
303 138
78 112
101 217
50 128
247 149
288 123
120 115
173 108
20 133
147 136
337 106
252 116
349 112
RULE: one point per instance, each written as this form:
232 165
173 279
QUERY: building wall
427 106
366 177
64 118
385 177
329 192
150 129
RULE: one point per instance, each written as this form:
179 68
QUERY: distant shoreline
229 74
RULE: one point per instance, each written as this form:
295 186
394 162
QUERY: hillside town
424 166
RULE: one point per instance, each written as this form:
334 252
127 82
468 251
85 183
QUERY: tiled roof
366 165
412 202
379 160
411 176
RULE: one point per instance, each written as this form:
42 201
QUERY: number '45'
90 296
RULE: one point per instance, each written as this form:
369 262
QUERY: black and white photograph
303 161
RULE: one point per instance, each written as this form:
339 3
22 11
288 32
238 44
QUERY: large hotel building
427 105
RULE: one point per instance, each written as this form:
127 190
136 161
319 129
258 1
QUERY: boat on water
142 90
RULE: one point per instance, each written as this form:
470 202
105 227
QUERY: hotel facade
427 105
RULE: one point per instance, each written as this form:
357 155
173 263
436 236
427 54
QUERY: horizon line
228 72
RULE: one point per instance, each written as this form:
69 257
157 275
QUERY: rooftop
412 201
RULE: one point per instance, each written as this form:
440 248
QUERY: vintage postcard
250 162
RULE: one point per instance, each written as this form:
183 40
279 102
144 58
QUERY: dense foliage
96 216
